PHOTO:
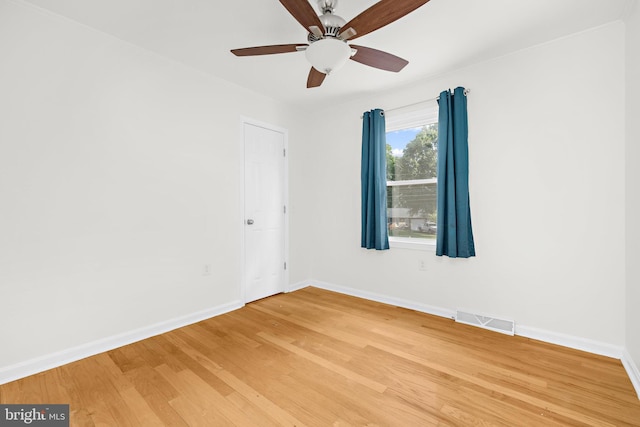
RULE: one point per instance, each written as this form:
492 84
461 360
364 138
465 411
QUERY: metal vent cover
503 326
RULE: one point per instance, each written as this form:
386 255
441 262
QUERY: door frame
243 279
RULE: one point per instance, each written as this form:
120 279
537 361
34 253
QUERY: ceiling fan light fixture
328 54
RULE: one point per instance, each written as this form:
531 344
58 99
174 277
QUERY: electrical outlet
422 264
206 270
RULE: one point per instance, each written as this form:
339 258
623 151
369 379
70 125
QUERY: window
412 144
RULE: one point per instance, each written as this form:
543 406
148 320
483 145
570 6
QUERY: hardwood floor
318 358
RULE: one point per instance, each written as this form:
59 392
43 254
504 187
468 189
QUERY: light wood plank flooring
318 358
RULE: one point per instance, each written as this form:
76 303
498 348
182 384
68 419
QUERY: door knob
249 222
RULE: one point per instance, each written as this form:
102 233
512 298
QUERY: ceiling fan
327 48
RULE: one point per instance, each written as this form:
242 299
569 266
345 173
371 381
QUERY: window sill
408 243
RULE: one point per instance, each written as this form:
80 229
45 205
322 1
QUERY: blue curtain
454 235
373 176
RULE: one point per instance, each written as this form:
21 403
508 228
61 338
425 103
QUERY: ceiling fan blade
347 34
380 14
378 59
303 12
267 50
315 78
316 31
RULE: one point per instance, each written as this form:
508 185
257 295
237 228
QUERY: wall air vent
503 326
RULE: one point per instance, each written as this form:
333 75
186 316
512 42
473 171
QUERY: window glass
411 183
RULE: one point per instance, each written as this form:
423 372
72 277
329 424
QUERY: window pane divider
412 182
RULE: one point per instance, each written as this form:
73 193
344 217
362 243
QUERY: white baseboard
570 341
54 360
632 371
297 286
385 299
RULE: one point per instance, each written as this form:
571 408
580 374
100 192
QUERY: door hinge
284 152
285 265
284 210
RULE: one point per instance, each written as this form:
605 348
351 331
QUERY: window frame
420 114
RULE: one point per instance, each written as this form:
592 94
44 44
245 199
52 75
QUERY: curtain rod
466 92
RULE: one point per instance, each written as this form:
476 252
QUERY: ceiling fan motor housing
332 23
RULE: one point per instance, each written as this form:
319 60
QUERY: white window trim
409 243
412 182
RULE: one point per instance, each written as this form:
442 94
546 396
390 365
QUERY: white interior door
264 211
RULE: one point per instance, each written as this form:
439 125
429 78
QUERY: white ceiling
441 36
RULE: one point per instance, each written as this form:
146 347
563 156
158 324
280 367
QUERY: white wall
633 185
119 175
547 175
